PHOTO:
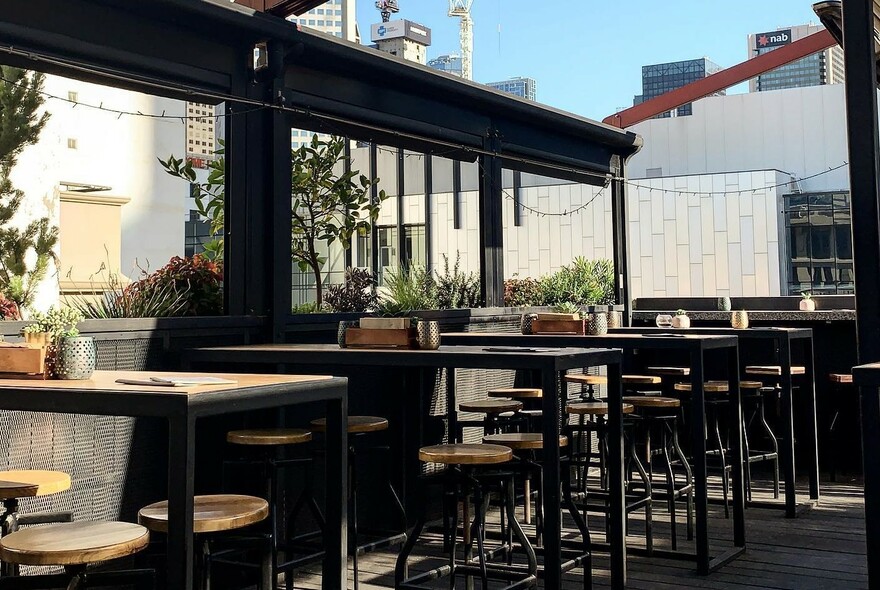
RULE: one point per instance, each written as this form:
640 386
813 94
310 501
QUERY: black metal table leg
551 400
335 575
787 453
813 427
181 463
617 507
737 455
698 442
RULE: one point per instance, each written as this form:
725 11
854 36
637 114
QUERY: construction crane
387 8
462 10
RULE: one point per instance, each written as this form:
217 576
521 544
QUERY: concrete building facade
825 67
522 87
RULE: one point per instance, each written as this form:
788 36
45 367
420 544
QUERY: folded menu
177 381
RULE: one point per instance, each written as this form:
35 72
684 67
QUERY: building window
819 234
415 251
197 232
72 96
388 255
71 143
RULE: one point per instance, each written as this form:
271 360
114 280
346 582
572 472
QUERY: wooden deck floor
823 549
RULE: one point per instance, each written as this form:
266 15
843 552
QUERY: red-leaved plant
198 279
8 309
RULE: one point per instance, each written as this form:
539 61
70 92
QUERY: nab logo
382 30
773 39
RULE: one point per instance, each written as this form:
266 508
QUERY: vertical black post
281 208
401 209
517 193
864 175
429 210
618 229
491 226
456 194
553 388
374 197
347 152
616 490
698 463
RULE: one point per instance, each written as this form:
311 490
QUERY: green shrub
521 292
116 300
406 291
583 282
456 289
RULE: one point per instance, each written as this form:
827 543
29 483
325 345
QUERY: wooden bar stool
716 401
360 426
531 399
28 483
76 545
472 470
499 412
215 514
662 414
597 420
753 409
839 382
588 384
271 442
525 446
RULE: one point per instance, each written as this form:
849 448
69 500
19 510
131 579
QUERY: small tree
210 196
329 204
25 254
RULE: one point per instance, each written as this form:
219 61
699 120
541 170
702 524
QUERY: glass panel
415 253
388 258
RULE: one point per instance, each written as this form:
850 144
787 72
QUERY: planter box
385 323
558 317
360 337
558 327
22 362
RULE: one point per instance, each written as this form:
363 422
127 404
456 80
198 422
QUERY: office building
451 64
522 87
659 79
402 38
825 67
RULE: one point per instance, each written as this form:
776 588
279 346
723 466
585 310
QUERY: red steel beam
282 8
724 79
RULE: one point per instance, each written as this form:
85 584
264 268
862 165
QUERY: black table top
753 332
668 339
867 375
494 356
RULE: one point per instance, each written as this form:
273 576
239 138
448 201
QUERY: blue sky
587 54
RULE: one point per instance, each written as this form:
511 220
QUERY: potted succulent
807 303
68 355
681 319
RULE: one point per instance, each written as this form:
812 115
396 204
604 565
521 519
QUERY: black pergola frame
200 50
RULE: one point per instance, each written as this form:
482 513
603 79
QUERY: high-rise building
451 64
403 38
659 79
334 17
523 87
201 130
825 67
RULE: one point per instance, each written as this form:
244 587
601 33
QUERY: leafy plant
58 322
456 289
116 300
198 280
8 309
522 292
567 307
407 290
25 253
356 294
806 295
308 307
680 312
210 196
329 204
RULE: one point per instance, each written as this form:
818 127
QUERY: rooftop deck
824 549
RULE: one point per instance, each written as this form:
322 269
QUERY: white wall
119 152
726 243
801 131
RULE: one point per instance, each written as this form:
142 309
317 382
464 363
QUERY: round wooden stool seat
269 436
652 401
521 441
220 512
641 380
491 406
708 387
356 424
516 392
586 379
773 370
594 409
840 378
670 371
28 483
73 543
465 454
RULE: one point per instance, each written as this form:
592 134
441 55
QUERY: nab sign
774 39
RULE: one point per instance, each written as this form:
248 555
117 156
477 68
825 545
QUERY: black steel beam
279 173
619 244
491 228
864 173
401 189
429 211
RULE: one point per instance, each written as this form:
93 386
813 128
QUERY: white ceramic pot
807 305
681 321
